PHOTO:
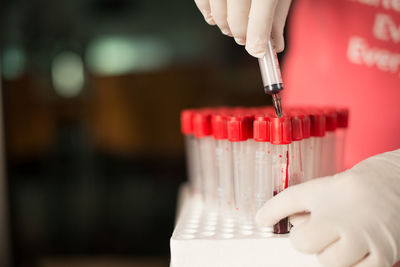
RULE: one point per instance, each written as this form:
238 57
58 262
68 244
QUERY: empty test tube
223 156
263 190
239 134
296 172
306 144
192 151
318 129
342 124
329 144
206 145
281 137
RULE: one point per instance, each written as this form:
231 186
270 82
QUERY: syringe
271 76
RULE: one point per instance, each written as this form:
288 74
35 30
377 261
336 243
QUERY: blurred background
91 96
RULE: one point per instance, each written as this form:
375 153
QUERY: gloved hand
354 216
250 22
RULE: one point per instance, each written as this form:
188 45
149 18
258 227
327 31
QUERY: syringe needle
276 101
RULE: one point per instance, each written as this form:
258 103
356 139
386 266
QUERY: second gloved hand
250 22
354 216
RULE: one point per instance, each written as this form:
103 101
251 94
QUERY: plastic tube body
329 154
208 171
296 173
340 145
193 163
307 152
263 190
224 178
316 143
243 176
280 179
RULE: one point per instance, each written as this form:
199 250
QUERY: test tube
342 124
329 145
306 146
223 155
281 137
263 190
239 134
296 172
192 151
318 128
206 144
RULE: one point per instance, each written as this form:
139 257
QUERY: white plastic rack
202 239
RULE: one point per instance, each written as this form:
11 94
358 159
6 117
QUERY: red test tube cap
343 118
305 122
261 129
202 124
219 126
297 128
331 119
306 126
187 121
318 124
281 131
239 128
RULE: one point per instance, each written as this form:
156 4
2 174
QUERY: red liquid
282 227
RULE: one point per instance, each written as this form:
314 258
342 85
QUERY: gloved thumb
288 202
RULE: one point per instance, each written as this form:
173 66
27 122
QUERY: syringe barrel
270 71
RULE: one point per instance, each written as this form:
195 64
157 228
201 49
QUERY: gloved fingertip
226 32
279 43
209 19
240 41
280 48
255 51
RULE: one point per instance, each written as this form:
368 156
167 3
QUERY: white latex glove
354 216
250 22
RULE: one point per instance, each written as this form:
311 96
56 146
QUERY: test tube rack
238 158
201 239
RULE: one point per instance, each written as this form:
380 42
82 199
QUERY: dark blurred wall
97 173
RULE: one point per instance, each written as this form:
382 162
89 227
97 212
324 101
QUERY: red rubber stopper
219 126
202 124
343 118
297 128
261 129
239 128
187 121
331 119
306 126
318 124
281 131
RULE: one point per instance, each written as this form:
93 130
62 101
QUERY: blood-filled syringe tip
276 101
